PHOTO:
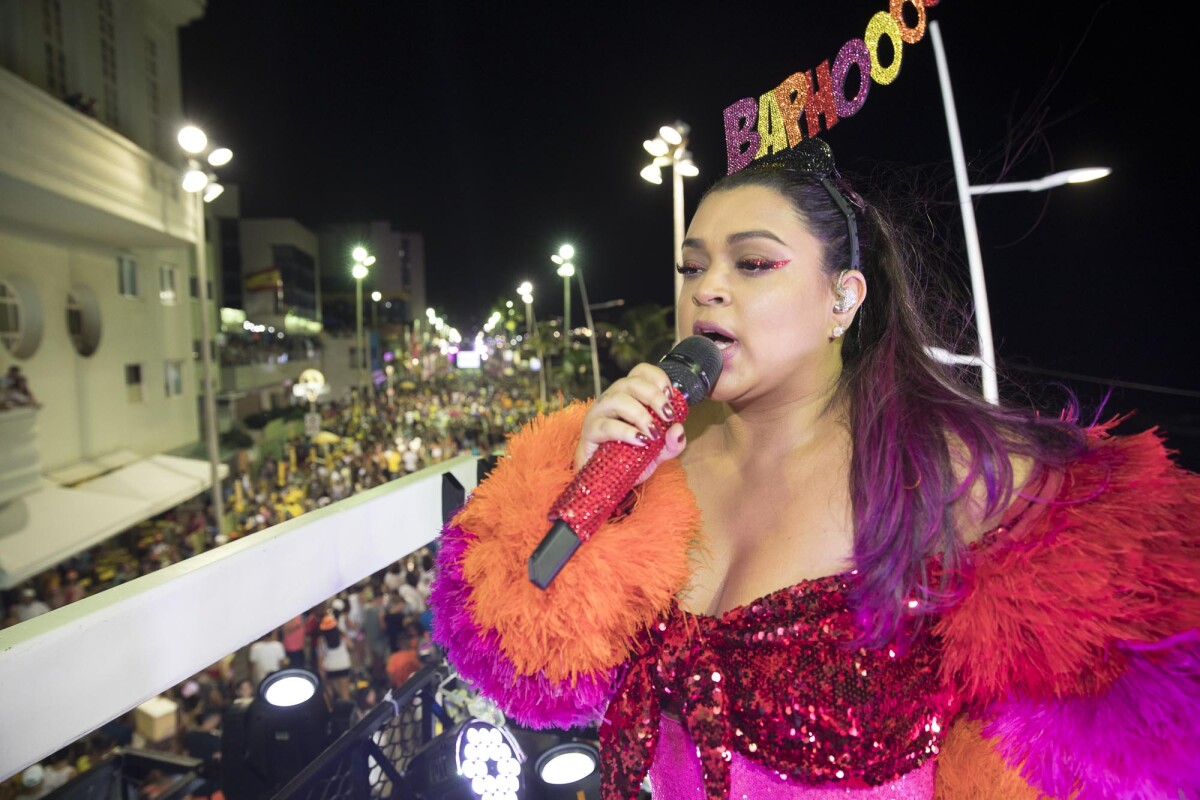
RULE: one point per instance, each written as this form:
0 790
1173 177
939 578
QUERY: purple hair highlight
1136 740
531 700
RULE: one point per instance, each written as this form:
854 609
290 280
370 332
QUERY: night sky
501 130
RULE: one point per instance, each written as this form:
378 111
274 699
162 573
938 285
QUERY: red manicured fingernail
643 438
667 411
682 436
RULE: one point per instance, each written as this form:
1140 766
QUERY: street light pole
362 260
587 314
203 187
983 319
669 148
210 403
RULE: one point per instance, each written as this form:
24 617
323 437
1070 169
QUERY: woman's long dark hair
922 437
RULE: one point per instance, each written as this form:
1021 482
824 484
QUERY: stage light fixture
288 687
474 759
567 763
268 739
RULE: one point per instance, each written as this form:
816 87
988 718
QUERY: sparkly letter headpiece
755 129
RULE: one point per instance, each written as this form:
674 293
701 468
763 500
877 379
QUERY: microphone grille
693 365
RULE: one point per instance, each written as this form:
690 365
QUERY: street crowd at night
381 622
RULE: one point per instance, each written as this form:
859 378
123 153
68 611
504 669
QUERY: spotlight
567 763
474 759
567 766
288 687
268 739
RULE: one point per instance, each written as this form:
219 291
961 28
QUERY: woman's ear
849 290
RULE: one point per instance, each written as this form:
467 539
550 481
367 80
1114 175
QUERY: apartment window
133 382
166 279
10 317
173 374
52 27
127 276
152 99
108 62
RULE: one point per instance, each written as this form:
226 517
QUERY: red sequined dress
1070 668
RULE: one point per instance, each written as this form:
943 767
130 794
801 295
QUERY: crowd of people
361 642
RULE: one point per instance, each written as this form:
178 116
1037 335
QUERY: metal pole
983 319
537 341
210 403
358 361
677 196
567 309
587 314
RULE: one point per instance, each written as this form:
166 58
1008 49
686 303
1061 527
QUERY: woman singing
847 575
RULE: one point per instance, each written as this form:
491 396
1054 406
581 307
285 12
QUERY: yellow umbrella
326 437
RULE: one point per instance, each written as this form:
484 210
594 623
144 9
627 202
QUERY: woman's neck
772 430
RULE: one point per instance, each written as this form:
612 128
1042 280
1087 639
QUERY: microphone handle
592 497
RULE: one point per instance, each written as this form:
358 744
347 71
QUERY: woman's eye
687 268
759 264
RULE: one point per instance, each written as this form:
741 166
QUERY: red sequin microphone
693 366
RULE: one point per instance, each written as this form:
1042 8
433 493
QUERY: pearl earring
838 330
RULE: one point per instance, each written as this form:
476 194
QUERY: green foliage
236 439
643 333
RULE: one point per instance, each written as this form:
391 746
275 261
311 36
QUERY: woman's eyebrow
734 238
742 236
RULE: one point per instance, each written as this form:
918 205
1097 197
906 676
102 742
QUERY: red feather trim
618 581
1115 556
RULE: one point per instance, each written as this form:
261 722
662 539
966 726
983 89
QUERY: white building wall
86 410
258 236
144 100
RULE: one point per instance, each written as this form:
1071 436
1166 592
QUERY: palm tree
643 333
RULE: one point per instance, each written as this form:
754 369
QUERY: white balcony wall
108 653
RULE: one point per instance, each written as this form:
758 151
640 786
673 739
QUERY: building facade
97 268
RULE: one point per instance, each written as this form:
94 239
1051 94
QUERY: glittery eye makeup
761 264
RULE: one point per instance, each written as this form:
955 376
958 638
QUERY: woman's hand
621 414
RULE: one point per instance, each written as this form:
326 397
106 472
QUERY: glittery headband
813 157
754 129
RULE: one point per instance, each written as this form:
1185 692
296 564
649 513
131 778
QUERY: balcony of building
111 652
63 173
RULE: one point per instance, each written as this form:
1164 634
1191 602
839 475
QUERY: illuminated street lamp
376 296
986 360
566 269
362 260
202 184
669 148
526 292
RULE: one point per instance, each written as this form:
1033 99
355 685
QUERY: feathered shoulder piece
548 658
1078 644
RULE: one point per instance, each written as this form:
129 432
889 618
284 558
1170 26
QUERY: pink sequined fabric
676 775
775 683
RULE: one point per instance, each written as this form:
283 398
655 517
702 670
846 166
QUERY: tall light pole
669 147
567 269
986 360
203 186
376 296
362 260
526 292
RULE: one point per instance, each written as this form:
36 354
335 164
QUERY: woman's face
752 282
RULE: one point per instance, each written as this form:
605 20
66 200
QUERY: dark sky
501 130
